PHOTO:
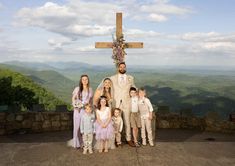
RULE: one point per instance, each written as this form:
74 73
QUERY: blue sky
174 32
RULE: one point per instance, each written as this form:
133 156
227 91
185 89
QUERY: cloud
212 41
157 17
218 45
75 26
160 10
198 35
58 43
192 49
198 49
137 33
163 7
72 20
77 19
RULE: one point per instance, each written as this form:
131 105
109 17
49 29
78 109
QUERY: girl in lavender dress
105 89
81 95
104 127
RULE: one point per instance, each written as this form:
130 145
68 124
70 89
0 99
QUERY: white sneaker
85 151
151 144
90 151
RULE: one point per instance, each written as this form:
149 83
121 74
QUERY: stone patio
174 147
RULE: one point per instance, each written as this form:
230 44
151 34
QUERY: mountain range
199 90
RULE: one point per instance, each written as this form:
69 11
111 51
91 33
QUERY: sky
174 32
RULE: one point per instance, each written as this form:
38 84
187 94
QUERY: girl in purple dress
81 95
104 127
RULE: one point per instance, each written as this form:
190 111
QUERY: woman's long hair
109 91
81 86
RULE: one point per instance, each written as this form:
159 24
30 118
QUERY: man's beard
122 71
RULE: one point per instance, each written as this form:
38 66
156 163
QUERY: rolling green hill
15 87
199 94
53 81
198 91
58 84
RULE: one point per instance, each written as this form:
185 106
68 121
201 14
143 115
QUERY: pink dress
104 133
86 98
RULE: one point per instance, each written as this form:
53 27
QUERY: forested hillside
17 89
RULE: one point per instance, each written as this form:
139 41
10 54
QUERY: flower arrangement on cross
118 47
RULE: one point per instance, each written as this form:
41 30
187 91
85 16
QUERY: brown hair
119 110
81 86
132 89
121 64
102 97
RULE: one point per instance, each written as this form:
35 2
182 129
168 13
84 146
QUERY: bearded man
121 86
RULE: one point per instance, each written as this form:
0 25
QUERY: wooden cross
118 36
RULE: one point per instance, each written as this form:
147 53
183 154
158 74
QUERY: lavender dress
104 133
86 98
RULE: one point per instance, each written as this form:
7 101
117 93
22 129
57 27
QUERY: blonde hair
143 90
87 106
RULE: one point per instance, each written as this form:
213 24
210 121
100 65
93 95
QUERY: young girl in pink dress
81 95
104 127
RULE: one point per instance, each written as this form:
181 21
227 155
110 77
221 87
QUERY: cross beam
110 45
118 36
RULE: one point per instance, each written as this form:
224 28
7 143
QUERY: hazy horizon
57 63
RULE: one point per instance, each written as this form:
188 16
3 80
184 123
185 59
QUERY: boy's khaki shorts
135 120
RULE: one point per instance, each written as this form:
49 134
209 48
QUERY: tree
6 91
19 96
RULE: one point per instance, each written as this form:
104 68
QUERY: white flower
78 104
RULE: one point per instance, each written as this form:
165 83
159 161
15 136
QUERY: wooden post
118 25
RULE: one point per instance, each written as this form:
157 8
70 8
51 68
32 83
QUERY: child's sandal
137 144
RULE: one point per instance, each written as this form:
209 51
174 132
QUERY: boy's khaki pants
118 137
87 140
146 126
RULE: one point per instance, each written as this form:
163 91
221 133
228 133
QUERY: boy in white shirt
146 115
135 115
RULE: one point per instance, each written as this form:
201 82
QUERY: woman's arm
74 101
75 98
96 97
90 96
